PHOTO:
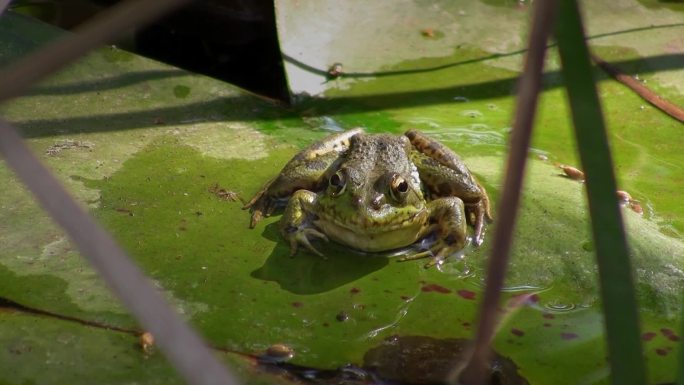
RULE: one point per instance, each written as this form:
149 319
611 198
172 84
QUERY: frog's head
372 201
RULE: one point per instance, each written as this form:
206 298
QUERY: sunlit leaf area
165 159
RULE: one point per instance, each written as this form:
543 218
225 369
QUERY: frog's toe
301 237
260 209
438 253
478 236
257 215
434 259
477 217
413 257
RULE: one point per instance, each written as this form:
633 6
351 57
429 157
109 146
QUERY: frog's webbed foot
438 253
296 224
447 214
300 236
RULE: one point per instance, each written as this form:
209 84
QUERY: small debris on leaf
572 173
636 207
67 144
428 32
124 210
278 353
342 316
223 194
147 342
335 71
624 196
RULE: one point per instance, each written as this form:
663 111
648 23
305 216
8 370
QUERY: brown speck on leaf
636 207
124 210
669 334
648 336
569 336
428 32
436 288
517 332
466 294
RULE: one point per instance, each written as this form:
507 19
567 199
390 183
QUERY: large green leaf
144 146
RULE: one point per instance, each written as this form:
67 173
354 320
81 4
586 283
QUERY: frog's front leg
448 223
296 224
445 174
308 170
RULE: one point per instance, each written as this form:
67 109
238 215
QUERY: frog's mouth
374 223
374 234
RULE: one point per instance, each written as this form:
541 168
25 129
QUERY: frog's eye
337 183
398 188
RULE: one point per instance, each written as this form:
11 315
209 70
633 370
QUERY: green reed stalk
615 274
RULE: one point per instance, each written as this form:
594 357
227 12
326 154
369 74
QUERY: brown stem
641 90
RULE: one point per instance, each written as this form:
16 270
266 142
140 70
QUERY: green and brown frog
376 193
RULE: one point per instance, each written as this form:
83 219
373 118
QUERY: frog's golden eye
399 187
337 183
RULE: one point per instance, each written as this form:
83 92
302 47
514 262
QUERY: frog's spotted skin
376 193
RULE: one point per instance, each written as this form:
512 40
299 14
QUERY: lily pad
165 174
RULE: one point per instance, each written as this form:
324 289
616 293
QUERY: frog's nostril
376 202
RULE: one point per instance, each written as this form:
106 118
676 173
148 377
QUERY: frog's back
368 153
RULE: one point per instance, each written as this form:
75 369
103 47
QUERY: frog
376 193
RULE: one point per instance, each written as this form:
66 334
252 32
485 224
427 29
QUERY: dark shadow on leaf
306 273
243 107
108 83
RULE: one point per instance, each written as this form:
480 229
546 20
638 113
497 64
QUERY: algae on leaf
163 142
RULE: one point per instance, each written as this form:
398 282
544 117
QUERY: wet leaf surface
165 148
